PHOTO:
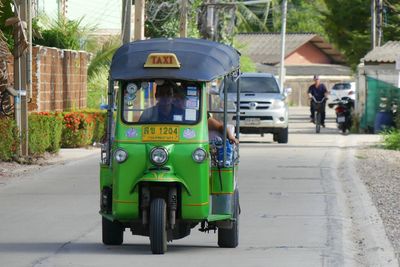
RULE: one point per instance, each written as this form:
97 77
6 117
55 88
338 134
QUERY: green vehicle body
202 192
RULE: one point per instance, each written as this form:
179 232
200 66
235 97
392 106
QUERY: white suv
263 106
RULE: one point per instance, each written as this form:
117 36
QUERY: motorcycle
343 110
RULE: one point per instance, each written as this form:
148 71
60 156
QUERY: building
306 54
378 81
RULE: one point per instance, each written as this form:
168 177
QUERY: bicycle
6 102
318 108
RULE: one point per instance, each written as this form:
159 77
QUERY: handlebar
318 102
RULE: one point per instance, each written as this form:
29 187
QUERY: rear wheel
113 232
283 136
158 225
229 238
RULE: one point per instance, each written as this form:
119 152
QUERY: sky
106 14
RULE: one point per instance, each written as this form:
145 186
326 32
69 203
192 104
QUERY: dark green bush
39 134
9 139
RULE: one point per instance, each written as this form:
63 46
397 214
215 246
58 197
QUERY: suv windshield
256 85
341 86
170 102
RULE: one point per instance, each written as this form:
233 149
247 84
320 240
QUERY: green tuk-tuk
160 173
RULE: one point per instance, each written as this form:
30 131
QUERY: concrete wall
59 79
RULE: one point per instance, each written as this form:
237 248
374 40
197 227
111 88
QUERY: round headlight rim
120 150
199 149
166 155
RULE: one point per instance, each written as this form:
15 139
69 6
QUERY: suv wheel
283 136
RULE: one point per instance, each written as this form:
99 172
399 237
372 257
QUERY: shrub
9 139
77 130
39 134
391 139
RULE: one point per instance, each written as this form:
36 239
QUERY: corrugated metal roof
265 47
308 70
384 54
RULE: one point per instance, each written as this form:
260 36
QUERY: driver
164 110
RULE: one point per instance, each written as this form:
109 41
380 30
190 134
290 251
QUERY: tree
353 36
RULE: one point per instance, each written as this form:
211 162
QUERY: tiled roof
386 53
265 47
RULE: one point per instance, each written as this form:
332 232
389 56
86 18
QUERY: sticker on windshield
192 91
190 114
192 102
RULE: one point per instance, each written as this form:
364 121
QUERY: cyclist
318 91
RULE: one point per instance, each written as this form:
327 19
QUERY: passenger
216 125
165 110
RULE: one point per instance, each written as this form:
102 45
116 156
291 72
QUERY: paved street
302 205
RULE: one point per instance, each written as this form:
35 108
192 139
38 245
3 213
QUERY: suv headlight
278 104
120 155
159 156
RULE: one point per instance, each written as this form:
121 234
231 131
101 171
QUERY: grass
391 139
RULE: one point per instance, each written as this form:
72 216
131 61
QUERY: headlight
278 104
158 155
199 155
120 155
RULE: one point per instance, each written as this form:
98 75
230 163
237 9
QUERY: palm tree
4 54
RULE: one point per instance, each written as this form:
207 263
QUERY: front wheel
112 232
229 238
317 122
283 136
158 225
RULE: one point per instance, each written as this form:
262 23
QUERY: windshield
341 86
161 102
256 85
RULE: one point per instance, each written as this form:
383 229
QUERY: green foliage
247 65
62 33
97 88
5 13
391 139
102 57
163 16
9 139
39 134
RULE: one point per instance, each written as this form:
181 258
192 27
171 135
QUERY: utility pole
183 21
379 20
22 67
139 20
373 24
283 42
126 21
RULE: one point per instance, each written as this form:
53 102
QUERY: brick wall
59 79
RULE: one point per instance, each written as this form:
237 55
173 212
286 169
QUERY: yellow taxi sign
162 60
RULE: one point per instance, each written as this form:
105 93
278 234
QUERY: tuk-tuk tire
112 232
229 238
158 223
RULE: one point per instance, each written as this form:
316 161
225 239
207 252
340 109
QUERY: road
302 205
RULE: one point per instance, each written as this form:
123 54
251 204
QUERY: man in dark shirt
318 91
164 111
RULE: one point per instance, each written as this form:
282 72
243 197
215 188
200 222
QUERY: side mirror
288 91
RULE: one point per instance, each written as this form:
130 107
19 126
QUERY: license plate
341 119
160 133
252 121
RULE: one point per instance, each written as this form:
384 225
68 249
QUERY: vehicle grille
246 105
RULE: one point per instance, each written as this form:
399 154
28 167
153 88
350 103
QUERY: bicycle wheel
317 122
7 103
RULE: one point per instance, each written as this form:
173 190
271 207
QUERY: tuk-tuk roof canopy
200 60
